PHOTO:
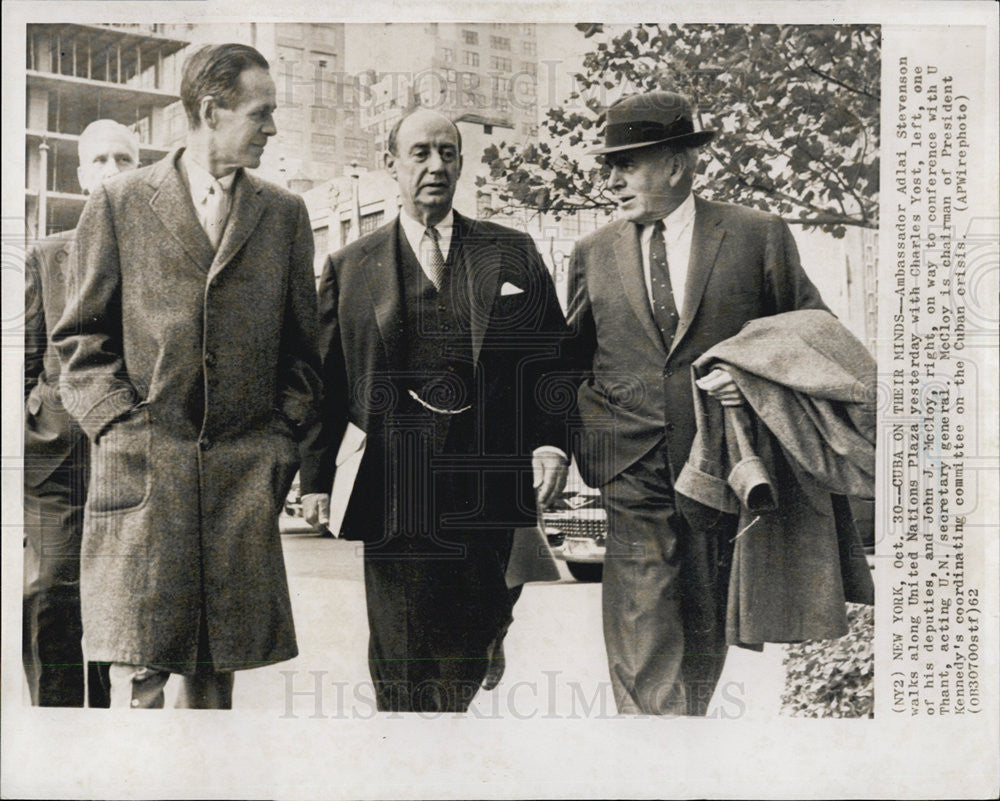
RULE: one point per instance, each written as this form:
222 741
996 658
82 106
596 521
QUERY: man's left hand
549 471
720 385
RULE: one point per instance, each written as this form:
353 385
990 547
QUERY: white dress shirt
677 235
212 197
414 230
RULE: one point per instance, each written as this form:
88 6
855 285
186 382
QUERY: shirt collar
202 181
677 220
414 229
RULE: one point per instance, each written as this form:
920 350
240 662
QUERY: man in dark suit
437 333
56 459
648 295
188 353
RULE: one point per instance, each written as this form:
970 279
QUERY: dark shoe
497 663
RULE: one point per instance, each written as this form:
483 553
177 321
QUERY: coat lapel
171 203
628 257
705 241
243 218
378 265
481 254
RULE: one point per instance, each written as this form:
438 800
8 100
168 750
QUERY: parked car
576 527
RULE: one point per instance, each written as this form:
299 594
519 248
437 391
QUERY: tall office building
75 75
319 129
484 71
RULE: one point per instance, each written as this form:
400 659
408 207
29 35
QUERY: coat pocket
120 464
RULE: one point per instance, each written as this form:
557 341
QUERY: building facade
80 73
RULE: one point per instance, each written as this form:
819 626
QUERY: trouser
663 620
141 686
431 620
51 628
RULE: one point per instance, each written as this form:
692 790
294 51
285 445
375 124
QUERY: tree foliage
796 109
832 679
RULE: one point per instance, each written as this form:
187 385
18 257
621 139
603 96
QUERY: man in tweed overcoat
189 359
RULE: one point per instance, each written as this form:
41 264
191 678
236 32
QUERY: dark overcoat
52 439
190 370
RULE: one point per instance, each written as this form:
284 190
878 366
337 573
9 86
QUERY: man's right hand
316 510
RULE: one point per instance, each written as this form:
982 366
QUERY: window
500 43
499 85
500 103
471 59
369 222
448 54
500 63
324 144
528 48
321 240
470 37
470 80
529 67
324 33
323 116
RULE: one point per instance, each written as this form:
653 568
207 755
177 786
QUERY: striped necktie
433 260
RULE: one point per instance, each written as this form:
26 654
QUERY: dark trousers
432 614
663 611
51 628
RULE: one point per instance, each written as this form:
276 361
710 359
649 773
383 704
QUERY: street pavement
556 667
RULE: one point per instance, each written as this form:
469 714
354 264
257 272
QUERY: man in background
56 459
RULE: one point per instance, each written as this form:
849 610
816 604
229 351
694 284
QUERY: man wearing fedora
649 294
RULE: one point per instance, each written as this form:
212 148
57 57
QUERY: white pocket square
509 289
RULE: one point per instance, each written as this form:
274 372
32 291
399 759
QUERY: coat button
667 373
209 359
669 426
205 444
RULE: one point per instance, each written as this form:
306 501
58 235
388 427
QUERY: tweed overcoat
191 371
809 438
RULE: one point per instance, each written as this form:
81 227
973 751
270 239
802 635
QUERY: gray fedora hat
651 118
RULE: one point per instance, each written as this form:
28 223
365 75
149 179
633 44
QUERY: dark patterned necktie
664 308
433 258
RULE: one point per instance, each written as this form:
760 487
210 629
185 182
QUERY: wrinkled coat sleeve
299 385
551 397
579 318
88 337
35 334
789 285
319 448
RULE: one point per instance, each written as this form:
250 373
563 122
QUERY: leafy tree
796 108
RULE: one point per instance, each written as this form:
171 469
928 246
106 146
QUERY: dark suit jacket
52 439
516 337
743 265
184 364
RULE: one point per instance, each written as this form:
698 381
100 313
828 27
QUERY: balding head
105 148
425 158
